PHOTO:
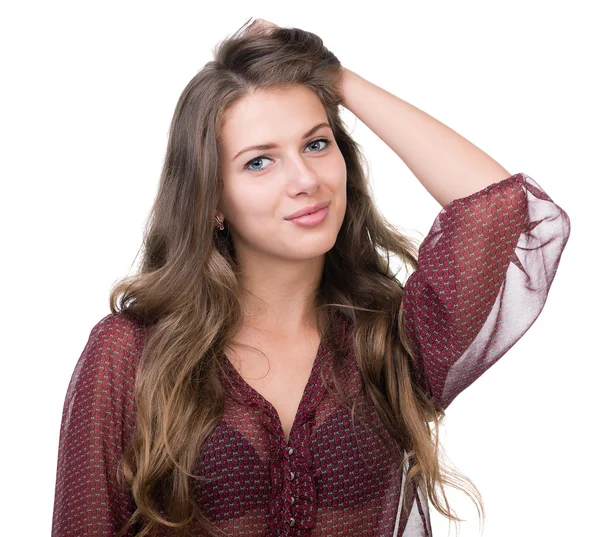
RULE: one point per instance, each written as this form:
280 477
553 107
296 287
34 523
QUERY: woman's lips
312 219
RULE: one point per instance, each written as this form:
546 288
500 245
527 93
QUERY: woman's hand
260 26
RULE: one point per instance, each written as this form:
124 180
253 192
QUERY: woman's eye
324 140
249 164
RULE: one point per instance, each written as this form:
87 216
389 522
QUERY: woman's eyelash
327 144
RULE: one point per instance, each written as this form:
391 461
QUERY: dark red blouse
484 273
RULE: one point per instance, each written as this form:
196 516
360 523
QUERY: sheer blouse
484 272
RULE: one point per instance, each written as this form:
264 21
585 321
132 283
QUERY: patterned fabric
484 273
485 270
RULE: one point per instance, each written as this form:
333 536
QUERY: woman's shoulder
120 330
119 326
114 347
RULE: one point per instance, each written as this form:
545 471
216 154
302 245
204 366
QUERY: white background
88 91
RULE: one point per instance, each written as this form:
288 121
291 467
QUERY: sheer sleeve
98 419
483 276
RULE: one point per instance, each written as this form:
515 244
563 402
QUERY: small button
291 475
292 500
291 450
292 521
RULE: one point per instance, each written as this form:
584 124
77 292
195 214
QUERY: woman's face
264 186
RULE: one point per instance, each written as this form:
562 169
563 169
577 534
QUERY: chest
280 375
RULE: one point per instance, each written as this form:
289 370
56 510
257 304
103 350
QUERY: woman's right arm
97 422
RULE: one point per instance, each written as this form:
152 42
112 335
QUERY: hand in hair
261 26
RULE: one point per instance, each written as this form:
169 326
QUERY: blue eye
249 163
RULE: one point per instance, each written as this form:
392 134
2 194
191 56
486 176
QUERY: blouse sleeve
98 419
483 275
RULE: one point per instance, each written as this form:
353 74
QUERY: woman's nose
302 174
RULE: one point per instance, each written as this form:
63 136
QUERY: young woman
266 373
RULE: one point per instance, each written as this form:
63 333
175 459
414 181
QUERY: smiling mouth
311 219
308 214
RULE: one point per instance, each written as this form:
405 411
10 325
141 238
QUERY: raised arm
486 266
446 164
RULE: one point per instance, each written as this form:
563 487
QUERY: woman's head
259 89
262 89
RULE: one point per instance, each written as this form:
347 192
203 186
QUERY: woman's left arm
487 264
446 164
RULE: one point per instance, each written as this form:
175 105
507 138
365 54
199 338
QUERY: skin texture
281 261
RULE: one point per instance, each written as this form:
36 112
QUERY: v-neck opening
311 389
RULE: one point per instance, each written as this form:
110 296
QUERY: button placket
293 500
292 475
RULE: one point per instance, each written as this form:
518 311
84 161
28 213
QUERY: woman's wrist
346 80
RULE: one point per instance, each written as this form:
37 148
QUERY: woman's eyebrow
263 147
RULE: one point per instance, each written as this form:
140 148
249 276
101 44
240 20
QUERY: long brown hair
187 291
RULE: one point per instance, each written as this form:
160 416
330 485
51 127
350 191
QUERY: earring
220 223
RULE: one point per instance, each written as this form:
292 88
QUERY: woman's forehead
255 104
271 117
